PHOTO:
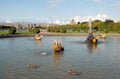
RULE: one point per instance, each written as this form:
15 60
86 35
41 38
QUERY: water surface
100 61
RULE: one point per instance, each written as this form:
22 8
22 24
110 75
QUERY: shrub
106 31
57 30
34 30
53 30
48 30
94 30
78 30
86 30
30 30
118 31
63 31
12 30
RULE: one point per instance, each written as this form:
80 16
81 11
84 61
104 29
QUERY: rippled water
93 62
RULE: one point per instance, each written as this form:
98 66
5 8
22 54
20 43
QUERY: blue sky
45 10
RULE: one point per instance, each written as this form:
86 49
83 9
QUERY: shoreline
15 35
49 34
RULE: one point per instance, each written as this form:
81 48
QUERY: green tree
34 30
84 26
12 30
117 27
96 24
109 24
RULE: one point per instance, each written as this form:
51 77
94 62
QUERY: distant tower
72 21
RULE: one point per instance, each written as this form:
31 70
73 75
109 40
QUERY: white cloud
8 21
61 22
116 19
65 22
57 22
101 17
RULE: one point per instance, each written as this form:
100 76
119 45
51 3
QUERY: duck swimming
31 66
74 73
57 46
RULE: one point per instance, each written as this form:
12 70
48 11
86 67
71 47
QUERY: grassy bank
4 33
56 34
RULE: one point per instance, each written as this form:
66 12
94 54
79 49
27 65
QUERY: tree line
97 25
83 27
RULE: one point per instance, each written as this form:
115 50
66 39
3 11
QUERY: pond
93 62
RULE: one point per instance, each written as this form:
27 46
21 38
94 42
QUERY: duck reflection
103 39
37 41
38 47
58 56
91 47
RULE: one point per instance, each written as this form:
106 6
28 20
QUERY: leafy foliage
97 25
63 31
12 30
34 30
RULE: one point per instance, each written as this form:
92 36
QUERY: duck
57 46
31 66
73 73
104 35
38 37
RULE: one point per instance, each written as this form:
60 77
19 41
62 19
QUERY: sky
58 11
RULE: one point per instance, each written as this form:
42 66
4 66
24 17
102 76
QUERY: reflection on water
91 47
37 42
103 39
57 56
101 61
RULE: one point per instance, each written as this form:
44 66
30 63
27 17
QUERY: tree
78 22
109 24
34 30
96 24
12 30
117 27
84 26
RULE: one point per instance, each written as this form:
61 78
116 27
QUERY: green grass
2 32
5 32
70 32
113 32
82 32
24 33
